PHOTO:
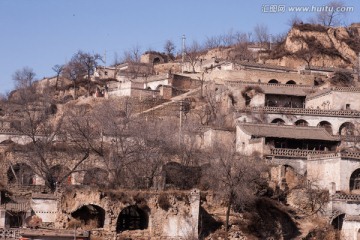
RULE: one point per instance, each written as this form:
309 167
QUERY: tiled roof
284 131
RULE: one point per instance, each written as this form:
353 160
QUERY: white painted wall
46 209
323 172
247 146
335 101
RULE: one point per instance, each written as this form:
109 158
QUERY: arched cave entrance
301 122
156 60
58 172
337 222
346 129
355 180
273 81
96 176
91 216
21 174
278 121
326 125
291 82
132 218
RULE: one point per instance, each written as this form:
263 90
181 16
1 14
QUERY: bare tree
213 42
193 54
24 77
294 20
240 51
41 131
331 14
235 178
75 72
131 150
58 68
169 48
132 55
262 34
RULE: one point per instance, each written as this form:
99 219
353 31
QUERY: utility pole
183 52
180 124
105 58
358 70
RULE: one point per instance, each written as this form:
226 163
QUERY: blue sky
42 33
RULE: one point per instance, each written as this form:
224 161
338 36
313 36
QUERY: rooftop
333 89
284 131
278 89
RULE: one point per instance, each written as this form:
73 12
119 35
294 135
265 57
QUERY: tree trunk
227 217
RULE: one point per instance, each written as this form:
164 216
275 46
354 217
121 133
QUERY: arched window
301 122
326 125
91 216
273 81
21 174
132 218
58 173
347 128
278 121
355 180
337 222
291 82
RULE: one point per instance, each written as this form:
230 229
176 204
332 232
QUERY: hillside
318 46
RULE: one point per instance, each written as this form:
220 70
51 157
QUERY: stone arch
347 128
159 86
96 176
326 125
338 221
301 122
292 82
91 216
132 218
278 121
58 172
355 180
156 60
21 174
273 81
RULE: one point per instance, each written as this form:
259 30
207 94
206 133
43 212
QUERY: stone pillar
195 210
2 218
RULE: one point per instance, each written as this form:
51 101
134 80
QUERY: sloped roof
284 131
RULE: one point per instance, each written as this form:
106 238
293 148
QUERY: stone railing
286 152
354 155
323 156
9 234
241 83
316 156
304 111
8 131
347 197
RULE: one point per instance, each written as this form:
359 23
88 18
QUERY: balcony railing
305 111
286 152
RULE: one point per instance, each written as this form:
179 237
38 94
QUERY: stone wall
336 100
171 215
258 75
